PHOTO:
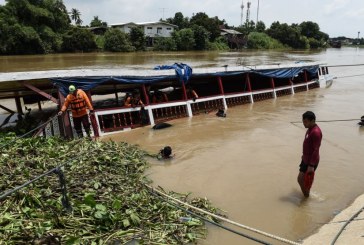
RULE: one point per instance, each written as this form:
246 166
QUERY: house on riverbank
151 30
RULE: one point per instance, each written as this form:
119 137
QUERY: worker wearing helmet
79 101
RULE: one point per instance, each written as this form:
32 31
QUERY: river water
247 163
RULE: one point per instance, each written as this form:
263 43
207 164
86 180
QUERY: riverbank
353 232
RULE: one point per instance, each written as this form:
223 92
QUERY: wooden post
7 109
44 94
273 87
39 105
221 87
145 95
222 92
306 79
19 106
184 92
93 120
249 88
291 83
116 95
64 123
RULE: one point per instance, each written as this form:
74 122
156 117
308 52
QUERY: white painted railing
151 109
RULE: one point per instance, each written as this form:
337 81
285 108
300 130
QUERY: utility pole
248 13
257 13
163 9
358 37
242 13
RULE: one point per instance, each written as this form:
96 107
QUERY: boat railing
118 119
49 129
207 104
167 111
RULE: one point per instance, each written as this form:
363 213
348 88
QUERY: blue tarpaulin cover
183 73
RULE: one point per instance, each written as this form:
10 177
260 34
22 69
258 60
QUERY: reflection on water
247 163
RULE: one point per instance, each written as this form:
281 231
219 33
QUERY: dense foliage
165 44
108 201
117 41
78 39
30 27
46 26
258 40
137 38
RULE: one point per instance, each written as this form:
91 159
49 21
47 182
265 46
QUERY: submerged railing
114 120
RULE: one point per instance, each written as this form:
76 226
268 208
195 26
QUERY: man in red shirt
311 148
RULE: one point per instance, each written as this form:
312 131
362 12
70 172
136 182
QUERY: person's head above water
166 152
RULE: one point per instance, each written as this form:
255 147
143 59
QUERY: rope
357 75
57 170
210 221
339 120
344 226
225 219
8 193
62 182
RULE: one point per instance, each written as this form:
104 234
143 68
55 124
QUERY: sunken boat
164 90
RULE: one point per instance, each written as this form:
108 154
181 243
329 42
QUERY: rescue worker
79 101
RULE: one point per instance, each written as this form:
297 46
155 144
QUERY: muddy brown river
247 163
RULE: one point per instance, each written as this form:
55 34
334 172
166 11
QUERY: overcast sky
335 17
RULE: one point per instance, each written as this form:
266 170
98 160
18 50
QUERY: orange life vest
78 103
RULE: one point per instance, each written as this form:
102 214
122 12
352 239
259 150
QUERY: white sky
335 17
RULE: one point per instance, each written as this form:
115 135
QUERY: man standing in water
310 154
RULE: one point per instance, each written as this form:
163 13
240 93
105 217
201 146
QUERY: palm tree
76 16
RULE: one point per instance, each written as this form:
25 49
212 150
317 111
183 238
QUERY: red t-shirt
311 146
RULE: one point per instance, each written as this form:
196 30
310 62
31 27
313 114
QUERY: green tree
288 35
165 44
212 25
220 43
260 26
137 38
79 39
97 22
201 36
117 41
51 41
179 20
22 40
184 39
76 16
259 40
310 29
314 43
30 26
246 28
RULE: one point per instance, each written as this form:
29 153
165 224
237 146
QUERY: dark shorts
77 121
304 166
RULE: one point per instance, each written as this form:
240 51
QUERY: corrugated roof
144 23
230 31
